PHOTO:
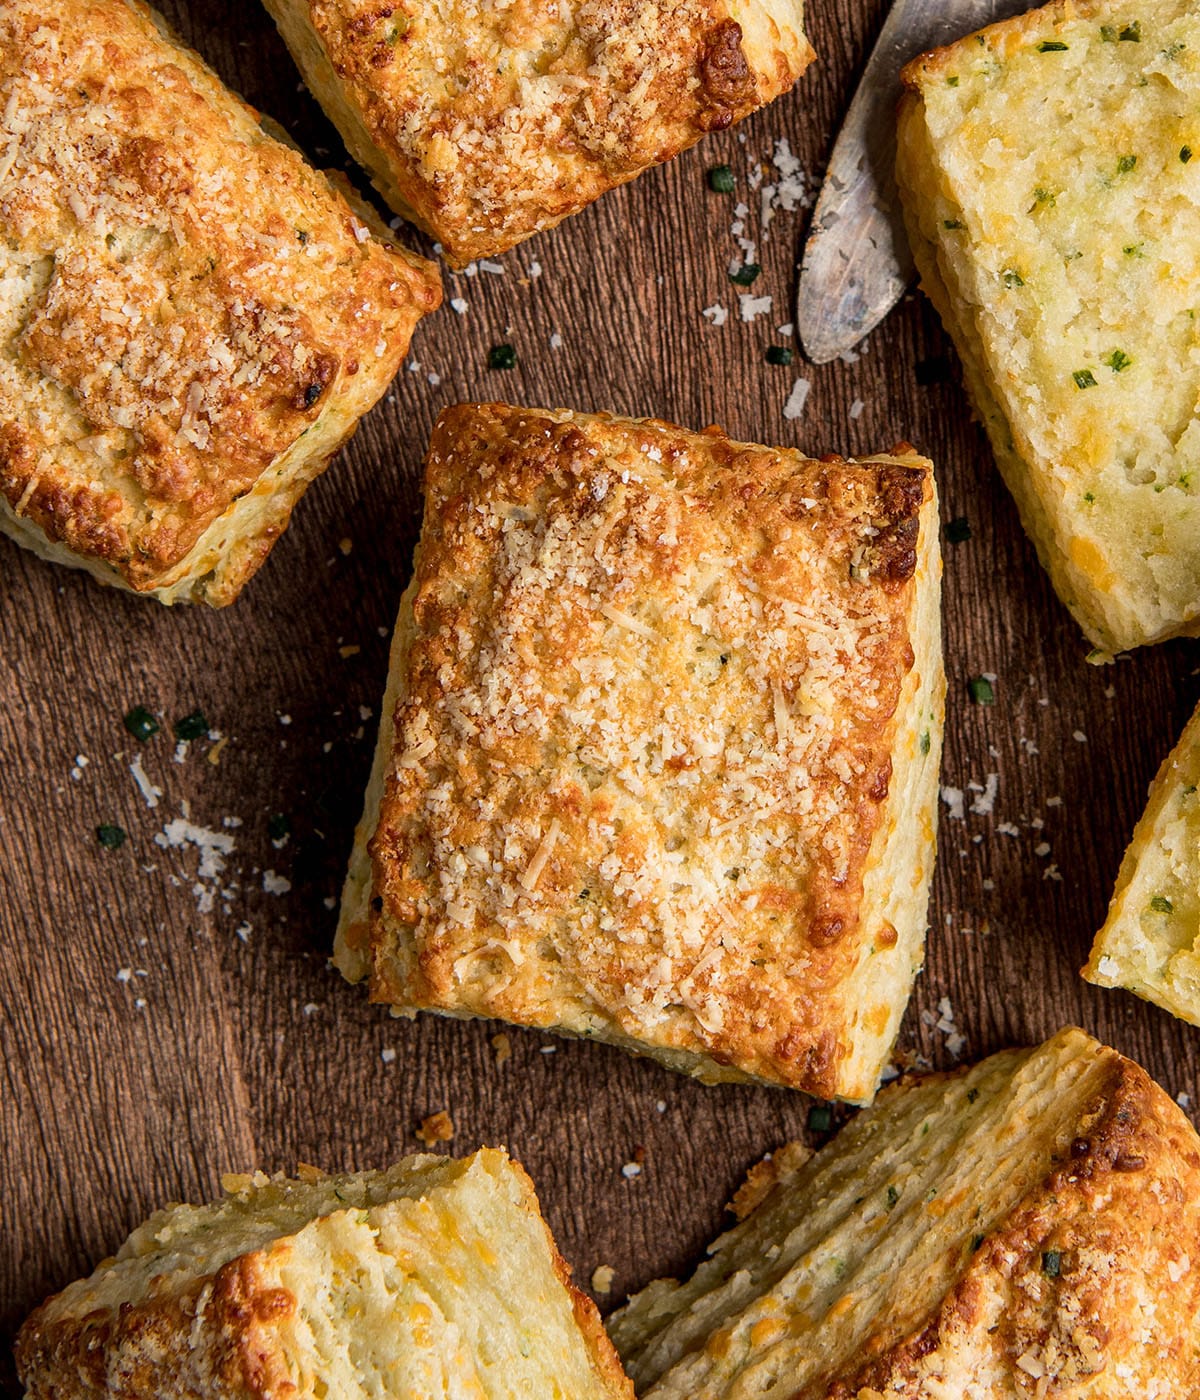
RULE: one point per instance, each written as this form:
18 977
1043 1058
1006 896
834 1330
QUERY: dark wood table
148 1046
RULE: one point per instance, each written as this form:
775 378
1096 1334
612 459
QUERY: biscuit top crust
181 296
497 120
647 732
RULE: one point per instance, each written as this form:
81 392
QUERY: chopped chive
953 223
1134 250
923 742
110 836
193 726
1185 154
952 81
779 355
976 1242
981 690
892 1197
1126 164
746 274
957 530
820 1118
1043 196
278 827
1012 278
141 723
1090 497
502 357
1052 46
1108 32
1084 379
1162 905
1118 361
1052 1263
972 1095
720 179
1131 33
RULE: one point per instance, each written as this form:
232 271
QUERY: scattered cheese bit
953 798
214 754
986 799
856 409
275 884
797 399
459 304
630 1170
388 1055
438 1127
751 306
716 313
145 786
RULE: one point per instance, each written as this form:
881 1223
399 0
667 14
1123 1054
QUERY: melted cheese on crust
657 699
191 318
485 123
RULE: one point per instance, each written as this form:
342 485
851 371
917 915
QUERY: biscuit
1150 942
484 124
1053 206
436 1278
659 754
192 319
1026 1228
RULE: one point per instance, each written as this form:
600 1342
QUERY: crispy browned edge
341 76
908 490
1129 1137
231 1352
77 514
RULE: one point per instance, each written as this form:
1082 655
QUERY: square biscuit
658 761
1150 942
434 1278
192 319
484 124
1054 211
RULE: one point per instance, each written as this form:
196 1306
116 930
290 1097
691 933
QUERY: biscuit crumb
438 1127
309 1174
503 1048
214 754
602 1278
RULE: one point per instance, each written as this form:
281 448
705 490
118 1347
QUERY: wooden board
223 1052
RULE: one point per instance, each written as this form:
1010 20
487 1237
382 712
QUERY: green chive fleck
1134 250
1162 905
892 1197
957 530
972 1095
953 223
976 1242
1126 164
720 179
110 836
1084 379
502 357
746 274
1052 1263
1052 46
820 1118
193 726
923 742
1043 196
779 355
1118 361
952 81
1090 497
278 827
1132 33
1012 278
1185 154
141 723
981 690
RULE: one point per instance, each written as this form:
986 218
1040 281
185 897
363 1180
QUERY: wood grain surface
148 1045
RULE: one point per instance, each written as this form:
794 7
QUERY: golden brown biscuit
1054 210
1026 1229
659 755
485 124
192 319
1150 942
434 1279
